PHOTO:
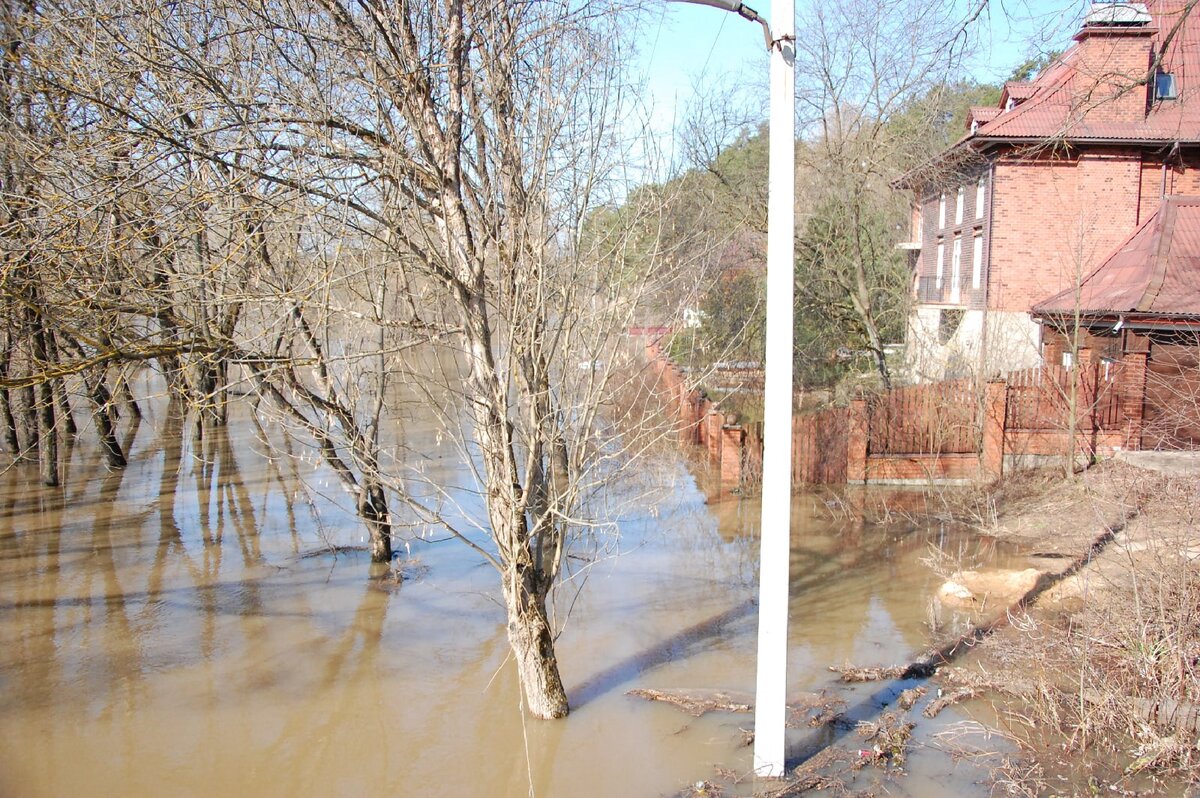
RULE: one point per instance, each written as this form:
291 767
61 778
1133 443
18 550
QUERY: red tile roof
981 114
1048 107
1156 271
1017 91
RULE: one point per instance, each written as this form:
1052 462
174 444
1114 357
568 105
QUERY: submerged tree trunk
27 424
101 402
62 402
525 584
44 398
532 643
8 421
66 418
372 509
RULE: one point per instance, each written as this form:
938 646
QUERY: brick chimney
1113 57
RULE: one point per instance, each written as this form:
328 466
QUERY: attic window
1165 87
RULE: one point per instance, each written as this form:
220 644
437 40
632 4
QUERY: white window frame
980 189
958 204
941 262
956 271
942 211
977 261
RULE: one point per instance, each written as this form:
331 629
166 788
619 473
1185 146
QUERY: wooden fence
924 419
954 430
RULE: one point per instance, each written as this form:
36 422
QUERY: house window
956 270
1165 87
949 320
979 197
941 262
958 207
1068 359
942 211
977 261
1108 363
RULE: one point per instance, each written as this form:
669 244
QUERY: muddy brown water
180 628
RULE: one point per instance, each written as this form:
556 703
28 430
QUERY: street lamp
775 547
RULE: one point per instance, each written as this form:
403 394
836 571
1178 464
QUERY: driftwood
852 674
696 702
934 707
928 663
910 697
700 702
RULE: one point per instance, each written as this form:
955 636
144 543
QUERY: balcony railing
931 290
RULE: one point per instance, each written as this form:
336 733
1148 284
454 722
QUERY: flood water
182 628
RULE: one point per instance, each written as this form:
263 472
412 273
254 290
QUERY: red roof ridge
1155 270
1162 247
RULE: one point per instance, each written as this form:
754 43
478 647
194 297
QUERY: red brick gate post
733 440
856 441
1133 396
995 407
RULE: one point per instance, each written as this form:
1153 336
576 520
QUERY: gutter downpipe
987 272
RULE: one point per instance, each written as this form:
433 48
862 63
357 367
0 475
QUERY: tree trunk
47 435
525 585
44 398
62 402
210 389
27 424
372 509
8 421
128 398
101 401
533 645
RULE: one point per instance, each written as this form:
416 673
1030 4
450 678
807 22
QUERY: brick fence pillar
856 442
1133 396
713 423
995 406
687 416
733 440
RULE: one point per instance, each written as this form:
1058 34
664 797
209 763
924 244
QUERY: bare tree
301 195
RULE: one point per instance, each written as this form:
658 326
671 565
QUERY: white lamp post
775 547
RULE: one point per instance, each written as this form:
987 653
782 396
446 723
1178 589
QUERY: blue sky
686 46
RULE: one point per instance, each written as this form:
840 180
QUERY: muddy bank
1076 663
1098 678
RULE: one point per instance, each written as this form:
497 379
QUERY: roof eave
1128 320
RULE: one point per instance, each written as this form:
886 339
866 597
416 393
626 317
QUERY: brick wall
1182 176
1112 64
1055 216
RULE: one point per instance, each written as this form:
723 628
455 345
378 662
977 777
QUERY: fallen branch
934 708
700 702
694 702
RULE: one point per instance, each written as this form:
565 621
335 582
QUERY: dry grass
1107 668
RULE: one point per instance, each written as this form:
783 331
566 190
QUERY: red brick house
1048 185
1137 316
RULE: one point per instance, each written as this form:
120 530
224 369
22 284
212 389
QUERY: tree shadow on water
678 646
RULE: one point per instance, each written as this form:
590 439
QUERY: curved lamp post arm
741 9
